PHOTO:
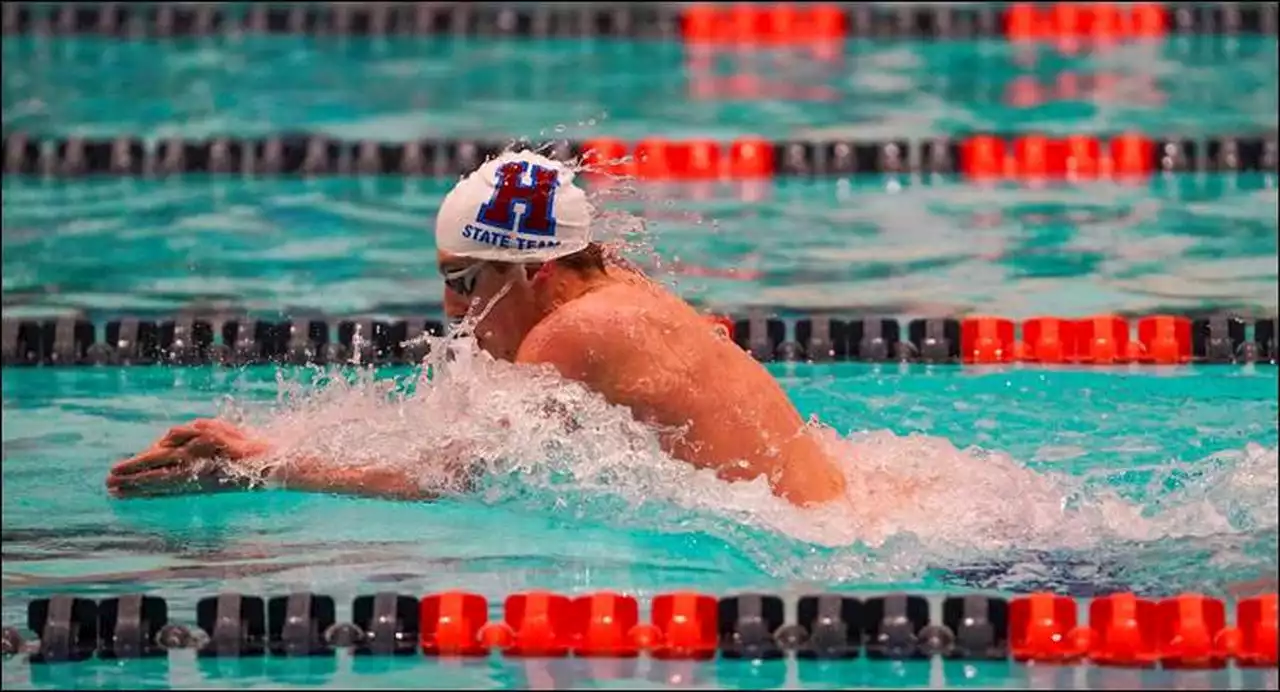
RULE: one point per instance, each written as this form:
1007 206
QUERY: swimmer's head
513 230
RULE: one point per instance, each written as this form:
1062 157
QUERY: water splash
546 444
628 211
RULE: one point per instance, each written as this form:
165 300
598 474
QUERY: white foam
548 443
918 501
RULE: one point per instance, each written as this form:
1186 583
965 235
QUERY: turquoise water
347 246
897 246
1081 481
1192 449
1156 438
399 89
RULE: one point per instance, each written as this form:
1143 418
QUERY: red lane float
604 157
983 157
1082 158
1094 20
1041 627
1132 155
1187 628
1101 340
602 624
986 340
750 157
451 624
1165 339
685 625
1038 157
1047 340
540 623
661 159
763 24
1256 621
1123 631
702 161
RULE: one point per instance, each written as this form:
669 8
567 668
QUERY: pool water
1079 481
1189 455
405 88
340 246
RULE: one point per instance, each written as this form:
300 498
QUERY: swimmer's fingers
223 439
217 428
149 483
199 447
205 447
155 458
179 435
129 484
204 476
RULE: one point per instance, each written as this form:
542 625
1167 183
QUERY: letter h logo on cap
538 198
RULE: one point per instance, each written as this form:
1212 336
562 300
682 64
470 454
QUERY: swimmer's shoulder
585 333
571 338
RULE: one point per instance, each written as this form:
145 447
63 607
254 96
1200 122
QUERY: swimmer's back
643 348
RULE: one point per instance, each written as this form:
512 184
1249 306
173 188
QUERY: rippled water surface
1155 481
1194 451
899 246
1081 482
405 88
345 246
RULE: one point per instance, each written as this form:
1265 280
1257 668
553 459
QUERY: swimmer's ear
539 272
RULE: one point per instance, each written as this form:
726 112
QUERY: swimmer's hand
192 458
198 458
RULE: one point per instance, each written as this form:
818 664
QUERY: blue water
1081 481
347 246
1192 450
898 245
1174 438
402 88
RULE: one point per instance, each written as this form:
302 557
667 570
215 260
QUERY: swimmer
515 246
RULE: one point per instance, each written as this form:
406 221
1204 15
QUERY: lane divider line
976 157
1102 340
738 23
1185 631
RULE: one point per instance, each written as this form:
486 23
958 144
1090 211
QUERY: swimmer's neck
566 285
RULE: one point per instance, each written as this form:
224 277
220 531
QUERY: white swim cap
518 207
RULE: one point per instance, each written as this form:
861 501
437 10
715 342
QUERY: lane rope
1123 629
974 156
763 24
231 340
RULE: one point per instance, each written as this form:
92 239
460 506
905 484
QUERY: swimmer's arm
309 475
216 456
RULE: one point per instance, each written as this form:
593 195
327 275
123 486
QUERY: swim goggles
463 281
